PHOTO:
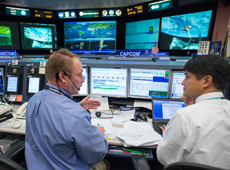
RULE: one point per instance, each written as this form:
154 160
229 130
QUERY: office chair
9 164
141 163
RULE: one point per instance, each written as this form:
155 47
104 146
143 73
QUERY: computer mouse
98 114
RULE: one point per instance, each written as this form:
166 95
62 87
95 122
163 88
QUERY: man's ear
208 81
62 77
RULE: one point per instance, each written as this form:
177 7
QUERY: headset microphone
57 77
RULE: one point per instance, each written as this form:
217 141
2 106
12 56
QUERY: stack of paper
138 134
123 117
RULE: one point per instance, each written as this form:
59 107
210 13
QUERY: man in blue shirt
59 134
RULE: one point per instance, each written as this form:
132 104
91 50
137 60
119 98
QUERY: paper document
124 116
106 123
104 103
138 134
145 104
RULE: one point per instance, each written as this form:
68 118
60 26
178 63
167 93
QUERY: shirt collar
209 96
62 90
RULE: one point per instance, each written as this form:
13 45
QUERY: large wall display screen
90 36
142 34
183 32
9 36
38 36
88 13
17 11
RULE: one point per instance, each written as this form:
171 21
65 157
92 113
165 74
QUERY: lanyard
215 98
47 87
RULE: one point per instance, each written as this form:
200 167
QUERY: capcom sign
129 53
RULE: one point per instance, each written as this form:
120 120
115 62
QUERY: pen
131 151
98 124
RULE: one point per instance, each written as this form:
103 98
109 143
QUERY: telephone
20 114
5 107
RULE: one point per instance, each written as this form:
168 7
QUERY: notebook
163 111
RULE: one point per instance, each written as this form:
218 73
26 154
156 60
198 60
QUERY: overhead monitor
12 83
147 83
43 14
38 36
111 12
138 9
160 5
108 82
183 32
2 80
176 87
84 88
66 14
88 13
9 36
142 34
90 36
17 11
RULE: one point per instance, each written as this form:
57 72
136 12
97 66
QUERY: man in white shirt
200 132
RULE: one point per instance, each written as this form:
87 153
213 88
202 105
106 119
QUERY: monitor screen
108 82
165 109
148 83
12 83
9 36
111 12
90 36
67 14
17 11
183 32
88 13
38 36
142 34
176 87
84 87
1 81
34 84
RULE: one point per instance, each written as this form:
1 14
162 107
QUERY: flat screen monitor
147 83
164 109
183 32
9 36
142 34
1 80
66 14
34 84
108 82
17 11
12 83
176 87
84 88
90 36
38 36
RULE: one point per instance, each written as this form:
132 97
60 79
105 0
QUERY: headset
57 77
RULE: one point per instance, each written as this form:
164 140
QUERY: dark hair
215 66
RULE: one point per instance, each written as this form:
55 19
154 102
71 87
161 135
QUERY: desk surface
7 128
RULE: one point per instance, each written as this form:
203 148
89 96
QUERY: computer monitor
9 36
147 83
90 36
12 83
84 88
35 83
111 82
183 32
1 81
164 109
142 34
176 89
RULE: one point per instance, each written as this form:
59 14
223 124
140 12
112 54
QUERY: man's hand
89 104
187 101
101 129
163 128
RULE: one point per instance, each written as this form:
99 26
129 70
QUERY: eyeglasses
78 75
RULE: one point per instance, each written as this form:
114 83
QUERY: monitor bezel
3 80
119 96
146 97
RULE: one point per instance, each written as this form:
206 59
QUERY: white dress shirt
199 133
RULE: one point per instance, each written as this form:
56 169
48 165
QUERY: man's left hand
89 104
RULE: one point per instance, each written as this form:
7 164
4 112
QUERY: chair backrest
8 164
140 162
190 166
